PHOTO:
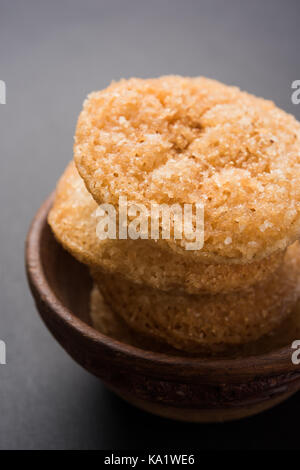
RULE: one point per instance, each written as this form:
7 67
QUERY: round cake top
194 140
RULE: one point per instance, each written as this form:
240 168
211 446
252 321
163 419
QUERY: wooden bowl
189 389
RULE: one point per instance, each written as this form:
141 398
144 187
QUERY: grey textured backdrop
52 53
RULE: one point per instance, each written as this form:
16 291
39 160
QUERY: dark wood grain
192 389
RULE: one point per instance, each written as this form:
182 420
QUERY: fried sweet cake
202 323
189 140
73 221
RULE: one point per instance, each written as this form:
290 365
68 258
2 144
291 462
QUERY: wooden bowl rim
254 365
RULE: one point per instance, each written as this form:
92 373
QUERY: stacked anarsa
175 140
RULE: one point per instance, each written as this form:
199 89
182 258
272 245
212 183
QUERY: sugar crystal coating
185 140
199 323
109 323
73 222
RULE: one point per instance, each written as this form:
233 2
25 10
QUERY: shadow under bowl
188 389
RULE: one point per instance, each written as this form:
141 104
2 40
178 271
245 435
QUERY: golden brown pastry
176 140
201 323
110 324
187 140
73 221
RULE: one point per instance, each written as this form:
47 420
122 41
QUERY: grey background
51 55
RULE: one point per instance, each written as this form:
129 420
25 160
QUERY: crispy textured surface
185 140
209 322
108 323
73 222
105 321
